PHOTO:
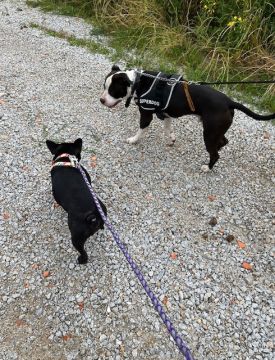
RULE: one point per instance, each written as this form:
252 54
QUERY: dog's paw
132 140
173 137
205 168
82 259
171 142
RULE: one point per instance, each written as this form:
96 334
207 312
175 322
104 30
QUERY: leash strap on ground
178 340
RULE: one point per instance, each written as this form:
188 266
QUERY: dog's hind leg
145 120
226 123
222 142
78 241
214 128
212 148
79 237
168 130
212 136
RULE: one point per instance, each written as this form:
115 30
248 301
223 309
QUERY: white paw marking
173 137
205 168
132 140
172 142
135 139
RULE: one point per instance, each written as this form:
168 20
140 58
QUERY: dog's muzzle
108 103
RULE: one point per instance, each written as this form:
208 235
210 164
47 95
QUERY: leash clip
73 160
172 81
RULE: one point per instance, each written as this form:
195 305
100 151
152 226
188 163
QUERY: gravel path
158 199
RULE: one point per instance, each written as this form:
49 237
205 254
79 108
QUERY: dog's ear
52 146
123 78
115 68
78 146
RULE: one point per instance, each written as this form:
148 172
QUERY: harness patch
150 102
158 96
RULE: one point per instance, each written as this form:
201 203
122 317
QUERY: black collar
134 87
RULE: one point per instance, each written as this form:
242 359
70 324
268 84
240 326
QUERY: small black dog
71 192
171 100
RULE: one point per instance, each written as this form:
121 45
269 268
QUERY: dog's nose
102 101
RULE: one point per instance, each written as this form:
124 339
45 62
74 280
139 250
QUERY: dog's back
72 193
70 190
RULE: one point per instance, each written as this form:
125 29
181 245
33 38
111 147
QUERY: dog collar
73 161
134 87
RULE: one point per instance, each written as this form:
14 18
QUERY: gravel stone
213 221
157 199
229 238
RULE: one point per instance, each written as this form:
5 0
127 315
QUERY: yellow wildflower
235 18
240 19
231 23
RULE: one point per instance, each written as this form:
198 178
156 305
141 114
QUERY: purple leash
178 340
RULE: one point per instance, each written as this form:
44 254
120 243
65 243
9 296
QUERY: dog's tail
238 106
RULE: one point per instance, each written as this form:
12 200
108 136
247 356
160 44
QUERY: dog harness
73 161
158 96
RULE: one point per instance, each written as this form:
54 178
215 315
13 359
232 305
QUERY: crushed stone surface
189 232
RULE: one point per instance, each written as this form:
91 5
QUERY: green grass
139 35
58 8
91 45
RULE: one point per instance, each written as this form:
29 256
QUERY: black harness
157 97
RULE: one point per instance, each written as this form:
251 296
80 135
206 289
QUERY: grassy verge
91 45
204 46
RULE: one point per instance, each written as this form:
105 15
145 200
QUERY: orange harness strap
188 96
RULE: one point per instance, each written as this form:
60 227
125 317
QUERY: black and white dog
170 99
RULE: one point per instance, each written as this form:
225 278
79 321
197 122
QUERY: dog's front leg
145 120
168 130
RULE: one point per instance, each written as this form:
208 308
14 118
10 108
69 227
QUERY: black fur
215 109
71 192
119 85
